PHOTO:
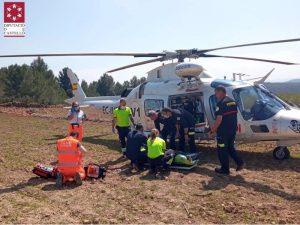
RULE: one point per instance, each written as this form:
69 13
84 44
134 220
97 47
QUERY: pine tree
85 86
134 81
64 82
92 89
118 89
105 85
13 80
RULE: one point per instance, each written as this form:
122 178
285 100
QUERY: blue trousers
123 133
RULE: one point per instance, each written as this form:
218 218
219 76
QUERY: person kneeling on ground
136 147
70 153
156 148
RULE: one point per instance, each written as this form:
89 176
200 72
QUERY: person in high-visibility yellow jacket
122 116
156 150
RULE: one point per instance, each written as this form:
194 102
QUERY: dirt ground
267 191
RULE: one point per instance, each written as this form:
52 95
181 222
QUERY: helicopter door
258 109
192 103
151 103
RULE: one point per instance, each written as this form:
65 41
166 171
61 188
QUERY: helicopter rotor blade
251 44
86 54
136 64
249 58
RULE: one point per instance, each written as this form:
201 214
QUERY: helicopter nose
290 124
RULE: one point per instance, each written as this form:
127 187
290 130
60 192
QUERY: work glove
113 130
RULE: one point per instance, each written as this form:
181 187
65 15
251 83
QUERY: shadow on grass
52 187
109 163
219 182
161 175
99 140
54 138
254 160
33 181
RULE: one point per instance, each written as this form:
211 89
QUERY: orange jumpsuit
69 159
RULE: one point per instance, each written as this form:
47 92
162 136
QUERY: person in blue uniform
184 124
225 129
168 131
136 147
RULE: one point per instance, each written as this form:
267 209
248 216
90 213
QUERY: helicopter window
153 104
256 104
213 103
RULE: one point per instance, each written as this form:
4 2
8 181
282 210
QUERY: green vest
122 117
156 147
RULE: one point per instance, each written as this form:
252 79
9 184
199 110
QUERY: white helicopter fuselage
261 115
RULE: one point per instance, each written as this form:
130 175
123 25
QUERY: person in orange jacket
70 153
76 116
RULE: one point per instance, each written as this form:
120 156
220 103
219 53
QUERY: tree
85 86
92 90
38 65
134 81
126 84
118 89
13 80
64 82
105 85
3 74
34 83
142 80
89 89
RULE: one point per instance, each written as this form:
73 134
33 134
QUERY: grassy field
267 191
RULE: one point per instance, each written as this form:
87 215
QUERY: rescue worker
70 153
168 131
122 116
156 150
225 128
75 117
136 147
184 124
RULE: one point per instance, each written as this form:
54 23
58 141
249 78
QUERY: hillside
284 88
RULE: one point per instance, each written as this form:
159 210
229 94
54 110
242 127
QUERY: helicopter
262 116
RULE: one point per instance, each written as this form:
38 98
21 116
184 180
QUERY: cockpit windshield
257 103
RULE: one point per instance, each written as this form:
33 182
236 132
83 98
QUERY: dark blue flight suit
185 120
136 141
226 133
168 131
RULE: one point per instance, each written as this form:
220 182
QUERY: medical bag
45 171
95 171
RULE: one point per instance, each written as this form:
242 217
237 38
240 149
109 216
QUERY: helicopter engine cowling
188 70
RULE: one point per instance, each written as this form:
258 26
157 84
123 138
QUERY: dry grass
268 191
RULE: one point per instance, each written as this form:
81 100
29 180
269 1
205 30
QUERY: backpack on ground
95 171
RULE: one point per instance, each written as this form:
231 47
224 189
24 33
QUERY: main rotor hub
188 70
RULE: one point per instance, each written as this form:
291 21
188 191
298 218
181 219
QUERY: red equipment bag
95 171
45 171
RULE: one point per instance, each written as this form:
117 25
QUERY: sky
65 26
